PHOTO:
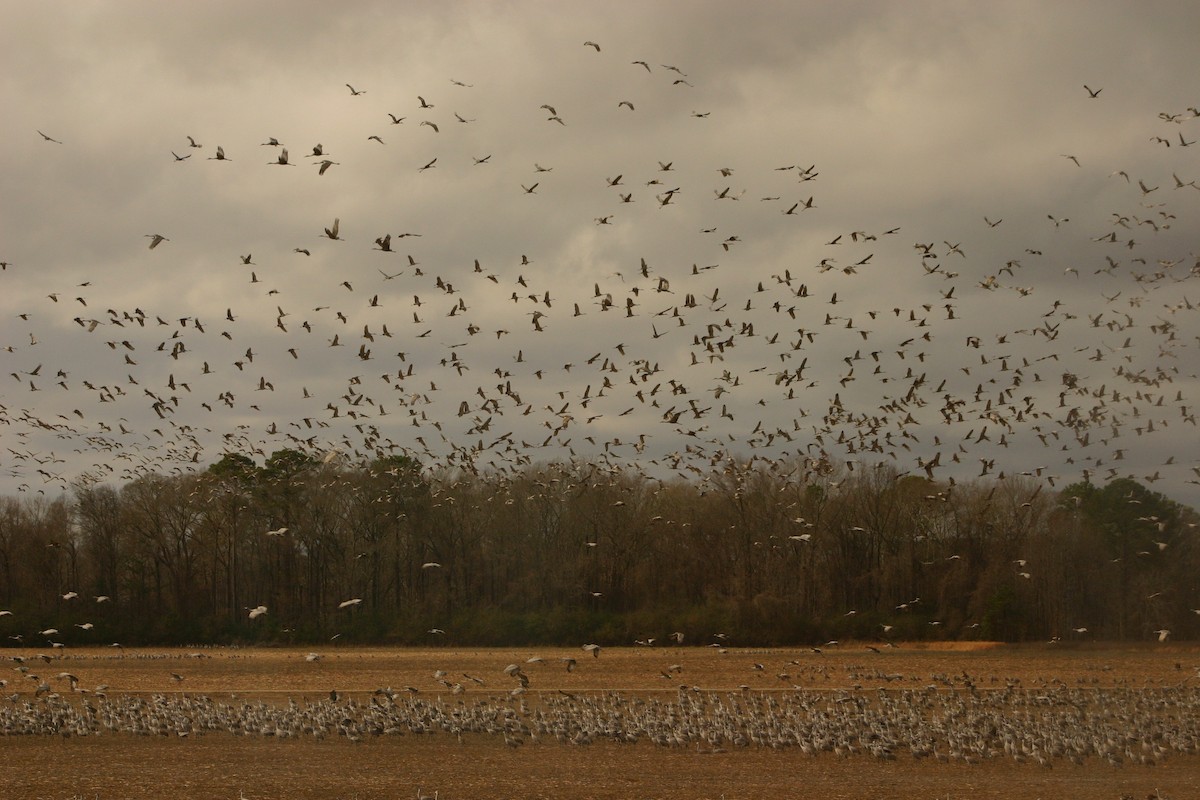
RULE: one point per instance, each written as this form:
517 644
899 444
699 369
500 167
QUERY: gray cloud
926 117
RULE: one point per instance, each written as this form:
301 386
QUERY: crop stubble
118 766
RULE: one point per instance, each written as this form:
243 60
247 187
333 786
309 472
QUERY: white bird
594 649
312 657
70 595
257 612
430 565
352 602
1163 634
102 598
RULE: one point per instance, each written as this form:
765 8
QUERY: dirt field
220 765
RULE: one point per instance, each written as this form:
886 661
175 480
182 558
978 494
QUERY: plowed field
216 764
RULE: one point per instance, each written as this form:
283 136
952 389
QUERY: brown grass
112 767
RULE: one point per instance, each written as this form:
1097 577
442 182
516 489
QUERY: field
1041 682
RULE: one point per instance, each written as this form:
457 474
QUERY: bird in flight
355 92
156 239
1093 93
49 138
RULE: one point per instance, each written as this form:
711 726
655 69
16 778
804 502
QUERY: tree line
749 553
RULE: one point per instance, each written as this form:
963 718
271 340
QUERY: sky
956 238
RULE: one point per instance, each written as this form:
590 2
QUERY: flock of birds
945 717
666 364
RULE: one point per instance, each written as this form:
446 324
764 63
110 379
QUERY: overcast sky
749 200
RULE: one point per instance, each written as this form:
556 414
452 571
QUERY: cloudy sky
878 231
